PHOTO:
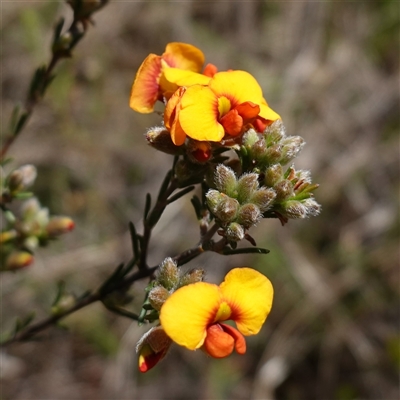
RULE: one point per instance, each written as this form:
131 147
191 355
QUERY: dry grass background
331 70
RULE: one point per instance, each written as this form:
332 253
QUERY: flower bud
275 132
152 347
192 276
246 186
59 225
313 208
263 198
157 297
18 259
8 236
248 215
234 232
225 180
273 175
227 209
259 150
250 138
30 208
273 154
167 274
83 8
294 209
31 243
291 147
160 139
22 178
283 189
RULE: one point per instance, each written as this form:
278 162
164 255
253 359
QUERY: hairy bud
192 276
168 274
283 189
291 147
263 198
22 178
246 186
249 215
234 232
59 225
160 138
273 175
157 297
225 180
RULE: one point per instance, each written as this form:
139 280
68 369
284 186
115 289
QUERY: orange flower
230 101
149 85
193 315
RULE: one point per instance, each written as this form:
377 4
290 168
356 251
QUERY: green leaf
179 194
247 250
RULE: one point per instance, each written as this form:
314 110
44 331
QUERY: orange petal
232 122
145 88
240 342
171 117
218 344
249 294
238 86
184 56
187 312
248 110
198 115
210 70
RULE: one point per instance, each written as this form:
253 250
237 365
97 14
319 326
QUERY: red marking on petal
232 123
259 124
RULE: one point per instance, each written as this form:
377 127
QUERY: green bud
160 138
291 147
259 149
263 198
227 209
168 274
8 236
283 189
22 178
273 154
31 243
225 180
157 297
246 186
294 209
273 175
214 197
66 302
313 208
274 132
249 215
30 208
250 138
192 276
234 232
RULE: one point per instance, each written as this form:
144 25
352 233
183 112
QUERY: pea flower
226 105
150 84
193 316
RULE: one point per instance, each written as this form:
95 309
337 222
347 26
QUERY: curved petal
144 92
188 311
250 294
238 86
198 115
267 113
175 77
232 122
218 343
171 117
184 56
240 342
248 110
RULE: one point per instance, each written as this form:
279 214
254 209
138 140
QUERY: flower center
224 312
224 106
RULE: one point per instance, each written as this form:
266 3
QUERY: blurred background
331 70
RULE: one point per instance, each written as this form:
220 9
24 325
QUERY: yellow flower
207 112
193 315
150 86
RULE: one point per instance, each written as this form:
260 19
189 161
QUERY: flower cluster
225 137
192 312
208 107
33 227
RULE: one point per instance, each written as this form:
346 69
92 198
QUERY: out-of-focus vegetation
331 71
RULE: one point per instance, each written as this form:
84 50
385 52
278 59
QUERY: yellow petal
268 113
199 113
145 88
238 86
250 294
184 56
181 77
188 311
